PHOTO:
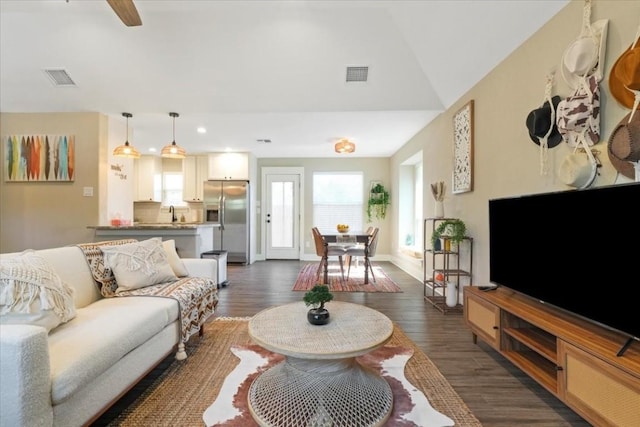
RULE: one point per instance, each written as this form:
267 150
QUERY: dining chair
325 250
359 251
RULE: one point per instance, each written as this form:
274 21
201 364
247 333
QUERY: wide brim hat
625 141
539 121
624 79
586 54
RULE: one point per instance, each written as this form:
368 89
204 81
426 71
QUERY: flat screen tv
577 250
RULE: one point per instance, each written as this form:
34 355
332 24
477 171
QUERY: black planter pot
318 316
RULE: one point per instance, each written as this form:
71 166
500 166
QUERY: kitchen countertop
154 226
192 239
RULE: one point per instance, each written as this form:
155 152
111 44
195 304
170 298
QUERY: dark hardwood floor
498 393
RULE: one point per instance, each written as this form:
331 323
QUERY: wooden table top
353 330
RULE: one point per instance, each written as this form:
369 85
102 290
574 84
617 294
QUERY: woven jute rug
187 389
307 278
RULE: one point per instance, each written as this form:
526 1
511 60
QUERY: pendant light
173 150
345 146
126 149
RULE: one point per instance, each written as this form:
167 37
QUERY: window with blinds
338 199
172 189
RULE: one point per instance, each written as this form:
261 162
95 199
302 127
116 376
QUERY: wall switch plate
87 191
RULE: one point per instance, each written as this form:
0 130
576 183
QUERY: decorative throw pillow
103 275
140 264
31 292
175 262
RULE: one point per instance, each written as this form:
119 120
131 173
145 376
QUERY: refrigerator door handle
222 202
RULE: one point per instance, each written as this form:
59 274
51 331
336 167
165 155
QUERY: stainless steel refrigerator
226 205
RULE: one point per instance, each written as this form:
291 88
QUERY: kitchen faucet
172 210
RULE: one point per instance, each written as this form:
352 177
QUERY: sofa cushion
176 263
71 265
140 264
100 335
31 292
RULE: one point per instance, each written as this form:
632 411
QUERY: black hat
539 121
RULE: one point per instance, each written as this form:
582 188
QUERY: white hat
578 169
585 55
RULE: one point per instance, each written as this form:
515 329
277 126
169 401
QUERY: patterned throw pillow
31 292
140 264
103 275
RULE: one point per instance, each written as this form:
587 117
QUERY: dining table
347 237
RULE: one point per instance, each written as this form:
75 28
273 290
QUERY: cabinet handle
559 368
495 328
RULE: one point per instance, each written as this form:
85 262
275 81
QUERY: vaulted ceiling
250 71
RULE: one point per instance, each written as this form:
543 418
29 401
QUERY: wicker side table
320 382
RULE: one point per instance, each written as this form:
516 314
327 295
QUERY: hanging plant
377 203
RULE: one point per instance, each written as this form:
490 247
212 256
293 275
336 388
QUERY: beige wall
46 214
374 169
506 161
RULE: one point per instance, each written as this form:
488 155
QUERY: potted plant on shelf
316 298
378 202
454 230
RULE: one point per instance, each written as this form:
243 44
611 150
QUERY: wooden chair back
319 241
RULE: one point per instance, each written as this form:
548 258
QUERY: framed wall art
39 158
463 149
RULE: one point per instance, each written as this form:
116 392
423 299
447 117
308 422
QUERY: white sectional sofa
71 375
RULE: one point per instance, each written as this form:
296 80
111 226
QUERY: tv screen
577 250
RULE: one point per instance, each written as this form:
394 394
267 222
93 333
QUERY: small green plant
454 229
378 202
318 296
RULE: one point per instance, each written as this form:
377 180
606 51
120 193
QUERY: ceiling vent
60 77
264 141
357 74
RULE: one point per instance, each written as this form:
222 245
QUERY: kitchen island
192 239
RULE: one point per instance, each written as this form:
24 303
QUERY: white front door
282 216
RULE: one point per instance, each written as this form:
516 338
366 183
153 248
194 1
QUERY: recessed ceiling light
202 129
152 150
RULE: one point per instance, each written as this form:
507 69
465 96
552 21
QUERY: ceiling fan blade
126 10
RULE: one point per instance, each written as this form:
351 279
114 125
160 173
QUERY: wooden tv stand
575 360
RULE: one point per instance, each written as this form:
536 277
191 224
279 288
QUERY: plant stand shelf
445 261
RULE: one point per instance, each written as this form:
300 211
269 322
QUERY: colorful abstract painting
39 158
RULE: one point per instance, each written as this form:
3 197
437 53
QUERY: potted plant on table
316 298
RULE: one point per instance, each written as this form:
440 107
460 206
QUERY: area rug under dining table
308 277
210 387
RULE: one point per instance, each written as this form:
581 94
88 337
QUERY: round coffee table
320 382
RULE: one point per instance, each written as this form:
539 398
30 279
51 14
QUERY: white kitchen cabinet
229 166
195 170
148 178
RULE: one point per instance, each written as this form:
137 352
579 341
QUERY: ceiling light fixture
126 149
345 146
173 150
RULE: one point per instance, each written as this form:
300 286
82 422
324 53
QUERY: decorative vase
318 316
439 213
452 295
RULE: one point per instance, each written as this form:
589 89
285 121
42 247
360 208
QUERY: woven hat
624 79
624 144
578 169
585 55
540 120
